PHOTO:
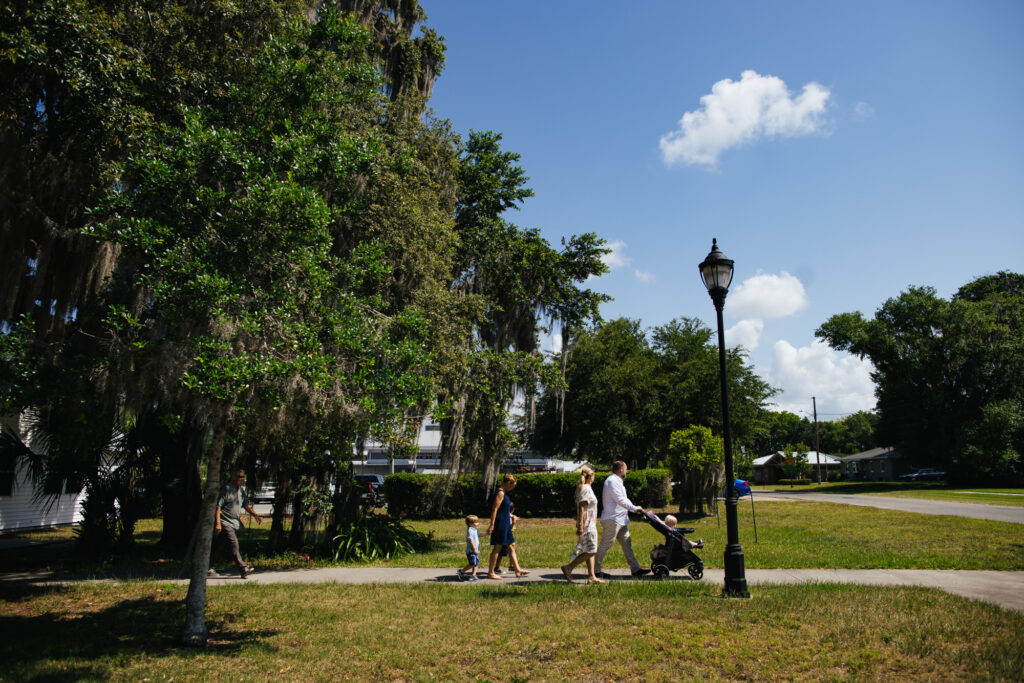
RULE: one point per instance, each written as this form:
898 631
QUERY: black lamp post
716 270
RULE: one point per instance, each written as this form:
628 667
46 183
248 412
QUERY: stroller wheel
696 571
660 571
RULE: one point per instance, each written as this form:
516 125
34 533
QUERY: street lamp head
716 270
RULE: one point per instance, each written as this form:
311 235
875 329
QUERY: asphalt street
998 513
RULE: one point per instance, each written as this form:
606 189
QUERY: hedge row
536 495
795 482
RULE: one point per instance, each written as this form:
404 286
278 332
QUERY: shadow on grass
76 645
502 593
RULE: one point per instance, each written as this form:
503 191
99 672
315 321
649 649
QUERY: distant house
768 469
878 464
20 507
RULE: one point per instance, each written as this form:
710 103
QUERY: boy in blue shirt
468 573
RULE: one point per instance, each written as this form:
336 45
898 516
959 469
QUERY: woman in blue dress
500 529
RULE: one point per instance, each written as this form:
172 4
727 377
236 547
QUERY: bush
406 494
374 537
536 495
794 482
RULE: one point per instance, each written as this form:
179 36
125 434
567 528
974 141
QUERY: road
998 513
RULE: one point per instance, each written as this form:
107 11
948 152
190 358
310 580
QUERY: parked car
265 493
924 474
373 485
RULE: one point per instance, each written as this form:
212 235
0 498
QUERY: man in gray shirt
230 502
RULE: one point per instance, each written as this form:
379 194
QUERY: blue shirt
472 540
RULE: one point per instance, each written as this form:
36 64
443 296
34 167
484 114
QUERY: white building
375 458
768 469
20 507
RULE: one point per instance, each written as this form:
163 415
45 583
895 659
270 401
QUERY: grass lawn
927 490
648 631
790 534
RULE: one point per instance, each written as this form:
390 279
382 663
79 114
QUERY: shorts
473 559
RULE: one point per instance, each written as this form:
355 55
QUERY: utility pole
817 446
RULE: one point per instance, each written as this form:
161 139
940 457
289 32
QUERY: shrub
406 494
374 537
794 482
535 495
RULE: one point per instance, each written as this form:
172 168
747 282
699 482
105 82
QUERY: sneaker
603 575
244 572
499 570
472 577
699 543
640 572
461 574
212 573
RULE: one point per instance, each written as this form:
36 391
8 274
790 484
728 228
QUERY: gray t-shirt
231 501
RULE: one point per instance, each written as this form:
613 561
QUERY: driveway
998 513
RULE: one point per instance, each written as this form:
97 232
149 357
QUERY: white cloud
737 112
646 278
766 296
840 382
863 110
745 333
616 258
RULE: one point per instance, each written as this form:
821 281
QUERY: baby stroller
676 553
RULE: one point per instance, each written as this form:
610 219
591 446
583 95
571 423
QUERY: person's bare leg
591 562
495 550
567 568
513 561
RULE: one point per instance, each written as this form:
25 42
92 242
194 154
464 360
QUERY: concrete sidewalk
1005 589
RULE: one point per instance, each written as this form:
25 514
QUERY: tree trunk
451 451
276 540
297 536
195 602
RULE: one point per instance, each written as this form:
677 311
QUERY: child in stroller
677 551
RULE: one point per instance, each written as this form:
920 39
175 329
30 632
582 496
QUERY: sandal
595 580
522 572
567 573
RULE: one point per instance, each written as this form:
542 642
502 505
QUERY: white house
427 460
768 468
20 507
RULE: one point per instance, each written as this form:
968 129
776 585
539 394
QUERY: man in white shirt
615 521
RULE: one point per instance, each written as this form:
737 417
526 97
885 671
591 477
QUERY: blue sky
840 152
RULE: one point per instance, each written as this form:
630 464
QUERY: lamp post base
735 575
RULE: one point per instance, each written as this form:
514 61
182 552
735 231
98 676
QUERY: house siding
22 510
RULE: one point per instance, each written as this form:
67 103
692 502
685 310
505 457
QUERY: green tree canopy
625 395
949 375
695 457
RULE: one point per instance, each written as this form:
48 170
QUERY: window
432 428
